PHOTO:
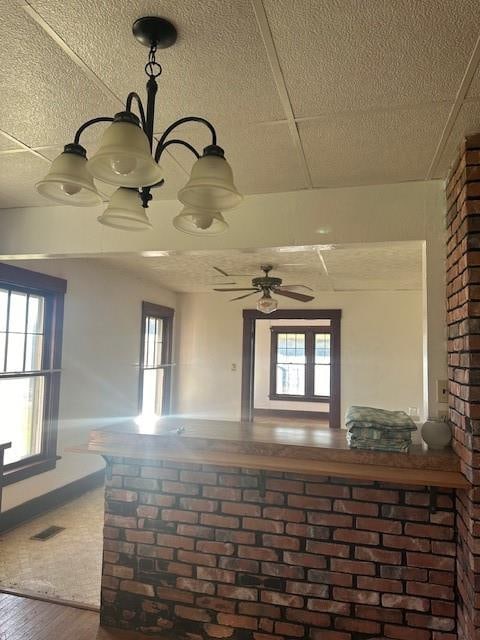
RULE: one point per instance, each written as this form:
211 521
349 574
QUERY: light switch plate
442 390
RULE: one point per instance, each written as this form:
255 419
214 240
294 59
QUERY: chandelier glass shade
128 158
200 222
125 212
68 180
124 157
210 185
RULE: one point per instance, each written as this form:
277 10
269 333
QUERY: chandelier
127 159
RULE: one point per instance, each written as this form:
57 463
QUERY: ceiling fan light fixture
125 212
68 180
124 157
211 183
200 222
267 304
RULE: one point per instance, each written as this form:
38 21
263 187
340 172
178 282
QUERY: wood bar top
276 447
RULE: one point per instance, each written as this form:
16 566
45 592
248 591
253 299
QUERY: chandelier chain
153 68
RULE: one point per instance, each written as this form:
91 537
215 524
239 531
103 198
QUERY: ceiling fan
229 275
267 285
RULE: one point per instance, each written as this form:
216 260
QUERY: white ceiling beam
382 213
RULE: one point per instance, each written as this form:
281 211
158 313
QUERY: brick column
463 294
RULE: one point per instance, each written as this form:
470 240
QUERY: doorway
301 370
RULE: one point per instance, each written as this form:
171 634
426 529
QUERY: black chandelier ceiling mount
128 159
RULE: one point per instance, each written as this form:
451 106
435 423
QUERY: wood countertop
275 447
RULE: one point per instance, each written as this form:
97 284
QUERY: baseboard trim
289 413
37 506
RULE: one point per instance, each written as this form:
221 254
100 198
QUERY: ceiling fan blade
246 296
224 273
296 296
214 284
290 287
236 289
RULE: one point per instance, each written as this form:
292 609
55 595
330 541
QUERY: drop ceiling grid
327 75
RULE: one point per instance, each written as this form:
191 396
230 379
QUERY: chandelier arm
134 96
177 123
89 123
160 150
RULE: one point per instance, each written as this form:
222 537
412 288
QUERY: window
31 317
300 365
155 360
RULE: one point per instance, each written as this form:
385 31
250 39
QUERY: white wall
101 343
262 368
381 354
375 213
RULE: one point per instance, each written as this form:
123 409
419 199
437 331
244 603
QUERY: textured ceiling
379 266
303 93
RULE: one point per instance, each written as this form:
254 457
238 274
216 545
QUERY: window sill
26 469
288 398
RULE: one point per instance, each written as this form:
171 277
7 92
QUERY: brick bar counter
229 530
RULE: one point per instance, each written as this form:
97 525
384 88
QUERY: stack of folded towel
379 429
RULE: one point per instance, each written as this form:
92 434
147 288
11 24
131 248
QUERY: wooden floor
28 619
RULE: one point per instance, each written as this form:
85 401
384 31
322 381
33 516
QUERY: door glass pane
322 380
291 379
322 348
291 348
21 402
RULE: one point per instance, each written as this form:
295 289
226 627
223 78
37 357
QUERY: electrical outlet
442 390
233 367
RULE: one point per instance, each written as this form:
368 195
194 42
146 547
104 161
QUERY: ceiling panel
350 55
383 266
195 271
263 156
467 122
218 67
18 174
44 95
372 147
349 267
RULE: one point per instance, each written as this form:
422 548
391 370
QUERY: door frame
250 316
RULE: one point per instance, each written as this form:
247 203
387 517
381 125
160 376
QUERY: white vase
436 433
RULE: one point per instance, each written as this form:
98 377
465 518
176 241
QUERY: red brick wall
196 552
463 295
